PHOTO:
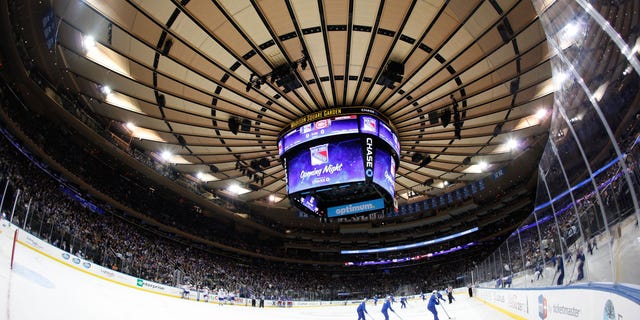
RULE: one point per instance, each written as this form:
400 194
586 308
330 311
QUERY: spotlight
264 162
425 161
497 130
445 117
417 157
392 73
234 124
181 140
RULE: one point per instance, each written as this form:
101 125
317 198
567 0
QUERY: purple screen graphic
385 171
369 125
388 136
310 202
321 128
326 164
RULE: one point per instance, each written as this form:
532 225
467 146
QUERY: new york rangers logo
542 307
319 154
369 125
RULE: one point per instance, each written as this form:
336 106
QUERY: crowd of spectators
47 209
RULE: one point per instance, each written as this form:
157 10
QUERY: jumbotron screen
318 129
325 164
341 159
384 172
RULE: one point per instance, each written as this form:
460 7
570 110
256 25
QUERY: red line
13 249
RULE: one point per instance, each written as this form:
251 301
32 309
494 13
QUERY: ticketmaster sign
354 208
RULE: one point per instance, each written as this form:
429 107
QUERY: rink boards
588 301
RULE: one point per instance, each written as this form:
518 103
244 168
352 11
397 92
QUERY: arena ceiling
171 75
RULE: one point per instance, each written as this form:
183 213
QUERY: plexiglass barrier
585 223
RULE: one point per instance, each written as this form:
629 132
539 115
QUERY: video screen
385 171
310 203
389 137
326 164
355 208
369 125
318 129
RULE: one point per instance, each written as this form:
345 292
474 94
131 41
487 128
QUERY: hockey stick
553 278
445 311
398 315
575 266
370 316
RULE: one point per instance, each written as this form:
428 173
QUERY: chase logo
542 307
319 154
66 256
140 283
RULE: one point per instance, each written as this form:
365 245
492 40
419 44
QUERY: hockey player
580 258
560 270
385 307
433 301
205 294
450 294
221 296
362 309
375 300
185 291
403 302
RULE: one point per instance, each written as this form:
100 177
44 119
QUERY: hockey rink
39 287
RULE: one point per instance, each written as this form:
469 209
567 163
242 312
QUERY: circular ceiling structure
208 86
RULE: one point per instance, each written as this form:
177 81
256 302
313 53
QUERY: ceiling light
512 144
541 113
89 43
445 183
130 126
572 29
237 189
166 155
559 78
483 165
105 90
199 175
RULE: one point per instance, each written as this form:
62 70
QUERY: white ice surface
41 288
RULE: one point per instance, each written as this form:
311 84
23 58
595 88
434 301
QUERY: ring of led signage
351 149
